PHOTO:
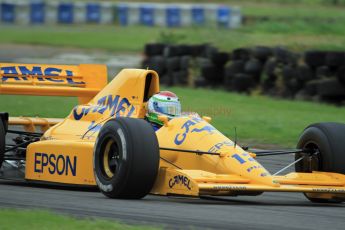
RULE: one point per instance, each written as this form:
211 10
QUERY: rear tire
126 158
2 141
329 140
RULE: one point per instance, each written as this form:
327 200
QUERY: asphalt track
268 211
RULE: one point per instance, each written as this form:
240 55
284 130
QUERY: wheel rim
312 162
110 158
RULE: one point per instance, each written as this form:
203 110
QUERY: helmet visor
169 108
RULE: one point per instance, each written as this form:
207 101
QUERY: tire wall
274 71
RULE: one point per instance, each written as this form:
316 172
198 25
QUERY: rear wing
30 124
83 81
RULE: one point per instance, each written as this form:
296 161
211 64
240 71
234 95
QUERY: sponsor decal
328 190
243 158
229 187
187 128
180 180
254 167
264 174
220 145
118 106
55 164
42 74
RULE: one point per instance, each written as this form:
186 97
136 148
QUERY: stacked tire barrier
176 64
313 75
274 71
171 62
123 14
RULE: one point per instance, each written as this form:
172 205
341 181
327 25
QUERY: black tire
335 59
201 62
170 80
304 73
329 140
173 63
172 51
186 50
240 54
231 70
2 141
294 85
341 75
254 68
212 74
210 51
302 95
314 58
133 174
198 50
284 56
331 90
292 80
235 67
323 72
219 59
288 73
200 82
156 63
164 79
185 62
262 53
270 68
154 49
181 77
311 87
243 82
268 83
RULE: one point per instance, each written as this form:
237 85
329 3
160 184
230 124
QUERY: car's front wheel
126 158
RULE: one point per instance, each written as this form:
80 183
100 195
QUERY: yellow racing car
106 141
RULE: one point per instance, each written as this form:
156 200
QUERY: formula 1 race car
105 142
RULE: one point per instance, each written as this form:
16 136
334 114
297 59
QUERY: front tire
126 158
328 141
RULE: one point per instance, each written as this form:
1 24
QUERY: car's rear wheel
2 141
126 158
327 141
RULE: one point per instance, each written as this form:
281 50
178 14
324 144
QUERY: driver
163 103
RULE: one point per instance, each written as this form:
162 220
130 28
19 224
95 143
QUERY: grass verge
34 219
259 119
297 24
297 35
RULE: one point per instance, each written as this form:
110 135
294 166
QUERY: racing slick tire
328 139
126 158
2 141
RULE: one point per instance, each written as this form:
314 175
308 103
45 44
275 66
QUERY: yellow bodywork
83 81
65 152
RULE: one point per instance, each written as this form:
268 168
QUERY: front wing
197 183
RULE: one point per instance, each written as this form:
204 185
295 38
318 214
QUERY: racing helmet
163 103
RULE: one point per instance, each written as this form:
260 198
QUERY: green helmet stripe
162 100
152 117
